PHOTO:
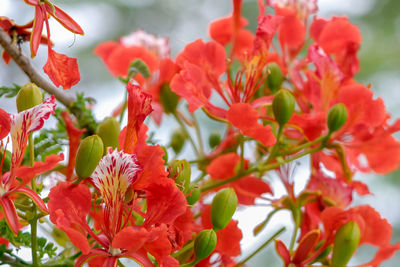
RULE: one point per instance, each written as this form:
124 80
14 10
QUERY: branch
24 63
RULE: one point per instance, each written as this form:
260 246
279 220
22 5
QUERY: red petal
337 35
282 251
384 253
292 30
249 188
306 246
249 124
74 135
139 107
153 169
267 26
62 70
93 254
6 57
5 124
10 214
223 167
28 173
64 19
165 202
32 195
124 238
69 205
37 29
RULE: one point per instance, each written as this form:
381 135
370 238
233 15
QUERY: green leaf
9 92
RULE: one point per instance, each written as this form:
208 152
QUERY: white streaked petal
26 122
158 46
114 174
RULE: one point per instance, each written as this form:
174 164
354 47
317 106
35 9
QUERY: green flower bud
28 96
165 157
109 130
214 139
169 100
275 77
204 244
180 171
337 117
194 194
177 140
7 160
346 242
89 153
283 106
223 207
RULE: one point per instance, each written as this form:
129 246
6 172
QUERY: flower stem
261 169
266 243
33 221
198 133
186 133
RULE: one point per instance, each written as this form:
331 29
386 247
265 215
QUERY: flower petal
74 135
5 123
64 18
62 70
10 214
26 122
114 174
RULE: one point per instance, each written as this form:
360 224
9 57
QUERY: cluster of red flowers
288 98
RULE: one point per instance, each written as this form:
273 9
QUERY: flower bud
7 160
169 100
180 171
89 153
337 117
109 130
283 106
214 139
177 140
275 77
345 244
223 207
204 244
194 194
28 96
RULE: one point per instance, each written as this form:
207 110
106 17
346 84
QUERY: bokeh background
183 21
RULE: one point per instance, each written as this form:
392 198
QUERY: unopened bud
275 77
177 140
28 96
223 207
337 117
109 130
89 153
214 140
283 106
346 242
169 100
180 171
204 244
194 194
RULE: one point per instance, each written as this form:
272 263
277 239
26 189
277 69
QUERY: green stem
198 133
33 222
261 169
261 247
293 240
305 145
241 153
186 133
185 248
275 148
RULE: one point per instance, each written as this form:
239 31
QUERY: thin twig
25 65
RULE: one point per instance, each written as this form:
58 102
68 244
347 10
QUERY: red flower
20 126
42 10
